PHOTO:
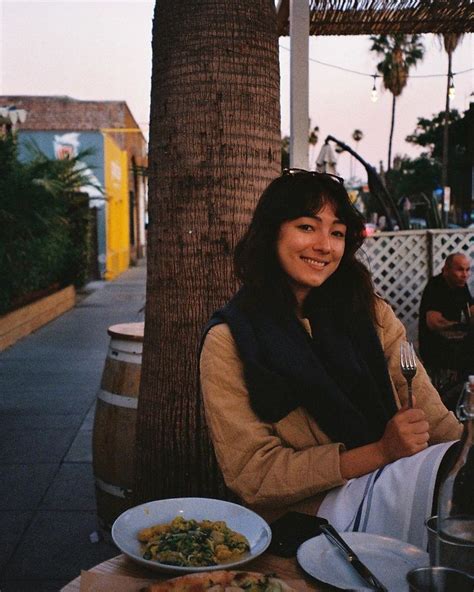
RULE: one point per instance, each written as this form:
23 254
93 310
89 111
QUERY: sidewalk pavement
48 385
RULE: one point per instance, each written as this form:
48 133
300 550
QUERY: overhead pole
299 83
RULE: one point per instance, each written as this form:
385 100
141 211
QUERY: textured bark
214 145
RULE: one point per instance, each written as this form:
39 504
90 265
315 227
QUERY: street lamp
10 116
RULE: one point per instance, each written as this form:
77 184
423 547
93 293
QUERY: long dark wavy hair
256 264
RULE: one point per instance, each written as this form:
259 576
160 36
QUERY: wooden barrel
113 439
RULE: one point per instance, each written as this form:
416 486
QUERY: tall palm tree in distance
450 42
399 53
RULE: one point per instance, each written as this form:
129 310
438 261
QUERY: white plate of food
191 534
389 559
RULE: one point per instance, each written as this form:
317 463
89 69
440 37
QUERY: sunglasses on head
314 173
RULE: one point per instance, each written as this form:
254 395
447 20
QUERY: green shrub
45 224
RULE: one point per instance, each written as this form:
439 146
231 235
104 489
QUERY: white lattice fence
402 262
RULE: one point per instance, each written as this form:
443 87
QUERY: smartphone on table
291 530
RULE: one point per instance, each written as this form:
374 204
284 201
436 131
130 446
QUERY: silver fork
408 366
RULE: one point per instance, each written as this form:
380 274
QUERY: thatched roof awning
374 17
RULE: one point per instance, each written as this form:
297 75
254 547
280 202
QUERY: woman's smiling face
310 249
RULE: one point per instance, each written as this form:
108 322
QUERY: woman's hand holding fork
405 434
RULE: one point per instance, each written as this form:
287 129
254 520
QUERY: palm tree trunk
214 146
444 165
390 139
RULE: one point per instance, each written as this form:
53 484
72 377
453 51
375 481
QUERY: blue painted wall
51 143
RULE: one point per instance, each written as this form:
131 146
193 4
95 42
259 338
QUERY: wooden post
299 85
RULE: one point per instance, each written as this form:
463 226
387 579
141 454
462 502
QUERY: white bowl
238 518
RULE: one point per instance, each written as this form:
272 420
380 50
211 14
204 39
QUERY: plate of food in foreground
389 559
191 534
220 581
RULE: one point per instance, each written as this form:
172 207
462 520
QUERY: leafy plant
417 178
45 223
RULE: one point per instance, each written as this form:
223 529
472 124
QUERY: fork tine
412 356
403 354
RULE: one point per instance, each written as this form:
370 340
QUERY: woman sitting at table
303 393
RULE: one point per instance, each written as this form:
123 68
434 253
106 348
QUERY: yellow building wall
118 206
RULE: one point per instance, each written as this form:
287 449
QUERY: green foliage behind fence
44 225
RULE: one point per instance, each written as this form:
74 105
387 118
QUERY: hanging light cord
378 75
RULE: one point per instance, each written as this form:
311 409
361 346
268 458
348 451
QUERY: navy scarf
339 375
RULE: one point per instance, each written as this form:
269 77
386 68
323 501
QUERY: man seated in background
446 319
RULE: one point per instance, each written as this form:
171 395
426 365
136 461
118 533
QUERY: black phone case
291 530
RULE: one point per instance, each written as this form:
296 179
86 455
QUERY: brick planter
25 320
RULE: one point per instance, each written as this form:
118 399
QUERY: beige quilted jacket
291 463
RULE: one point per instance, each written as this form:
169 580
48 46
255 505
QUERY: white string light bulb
451 90
374 94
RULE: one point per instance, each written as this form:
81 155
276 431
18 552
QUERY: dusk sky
102 51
